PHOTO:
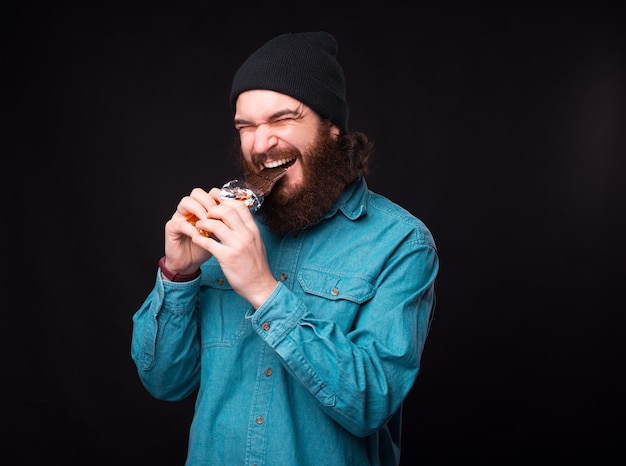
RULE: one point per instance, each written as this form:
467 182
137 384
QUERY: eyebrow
272 117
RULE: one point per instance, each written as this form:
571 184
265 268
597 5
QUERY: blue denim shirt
317 374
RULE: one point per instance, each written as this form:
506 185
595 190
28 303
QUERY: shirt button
265 326
283 276
220 281
259 420
268 371
334 291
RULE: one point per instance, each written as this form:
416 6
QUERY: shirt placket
259 423
259 413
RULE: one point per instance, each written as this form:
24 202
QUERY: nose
264 138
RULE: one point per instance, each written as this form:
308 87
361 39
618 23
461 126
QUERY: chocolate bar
252 191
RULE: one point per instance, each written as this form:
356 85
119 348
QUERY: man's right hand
183 256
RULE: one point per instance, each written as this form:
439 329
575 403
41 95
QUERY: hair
358 149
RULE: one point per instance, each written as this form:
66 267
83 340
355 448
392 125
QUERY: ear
335 131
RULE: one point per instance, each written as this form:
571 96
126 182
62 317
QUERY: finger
206 198
227 223
195 205
180 225
232 213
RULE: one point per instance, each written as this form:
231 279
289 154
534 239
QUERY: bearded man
300 326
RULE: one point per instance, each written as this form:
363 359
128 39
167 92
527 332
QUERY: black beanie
302 66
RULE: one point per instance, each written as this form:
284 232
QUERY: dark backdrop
501 127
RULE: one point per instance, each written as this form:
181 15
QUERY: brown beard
327 171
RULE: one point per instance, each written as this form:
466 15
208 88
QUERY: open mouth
285 163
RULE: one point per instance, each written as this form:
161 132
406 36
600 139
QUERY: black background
502 127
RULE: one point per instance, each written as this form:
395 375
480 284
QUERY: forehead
263 103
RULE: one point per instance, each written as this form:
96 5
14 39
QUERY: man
301 325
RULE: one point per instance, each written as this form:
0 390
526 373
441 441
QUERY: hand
237 245
182 254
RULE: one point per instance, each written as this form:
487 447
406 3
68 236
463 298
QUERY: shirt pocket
342 293
223 310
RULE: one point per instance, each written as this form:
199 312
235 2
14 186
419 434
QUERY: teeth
277 163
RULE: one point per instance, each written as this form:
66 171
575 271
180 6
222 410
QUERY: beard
326 174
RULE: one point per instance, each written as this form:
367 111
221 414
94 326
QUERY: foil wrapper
242 191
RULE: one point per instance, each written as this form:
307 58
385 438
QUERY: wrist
176 277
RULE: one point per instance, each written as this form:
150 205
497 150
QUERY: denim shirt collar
353 201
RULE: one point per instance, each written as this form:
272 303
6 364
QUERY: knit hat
303 66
